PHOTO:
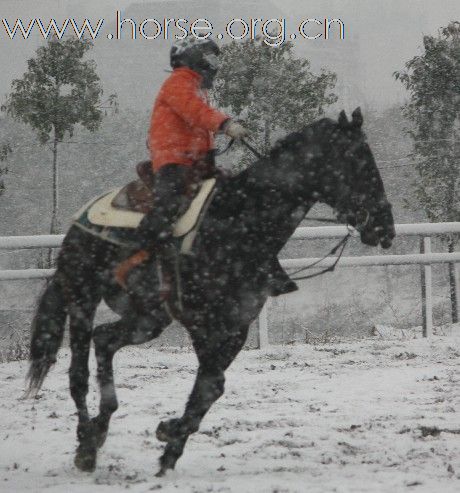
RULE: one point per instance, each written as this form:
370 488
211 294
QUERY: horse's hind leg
133 328
81 325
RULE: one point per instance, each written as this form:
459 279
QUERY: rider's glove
235 130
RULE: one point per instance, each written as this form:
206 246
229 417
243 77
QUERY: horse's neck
280 212
267 214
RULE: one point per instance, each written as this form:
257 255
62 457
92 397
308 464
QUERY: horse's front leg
214 358
209 386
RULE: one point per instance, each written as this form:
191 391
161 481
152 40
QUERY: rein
225 149
256 153
340 246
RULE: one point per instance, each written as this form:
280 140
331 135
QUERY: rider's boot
279 282
166 263
165 253
125 267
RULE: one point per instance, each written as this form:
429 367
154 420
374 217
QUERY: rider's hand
235 130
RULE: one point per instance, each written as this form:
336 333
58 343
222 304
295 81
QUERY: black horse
250 219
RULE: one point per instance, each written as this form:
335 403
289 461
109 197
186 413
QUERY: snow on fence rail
425 259
417 229
39 241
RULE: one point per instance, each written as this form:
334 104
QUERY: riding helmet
200 55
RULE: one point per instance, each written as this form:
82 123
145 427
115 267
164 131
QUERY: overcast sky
382 34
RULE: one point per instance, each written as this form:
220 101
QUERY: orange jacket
182 124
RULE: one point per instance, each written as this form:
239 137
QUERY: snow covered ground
368 416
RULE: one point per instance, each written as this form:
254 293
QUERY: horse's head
346 177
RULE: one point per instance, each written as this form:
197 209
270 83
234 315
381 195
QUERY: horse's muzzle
386 242
370 237
375 236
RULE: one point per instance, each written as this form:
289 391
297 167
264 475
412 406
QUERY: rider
180 141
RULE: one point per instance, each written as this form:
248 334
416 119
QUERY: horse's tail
47 333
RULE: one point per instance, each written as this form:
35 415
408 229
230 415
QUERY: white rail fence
425 260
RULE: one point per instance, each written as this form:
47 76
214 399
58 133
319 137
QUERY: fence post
427 289
457 285
263 326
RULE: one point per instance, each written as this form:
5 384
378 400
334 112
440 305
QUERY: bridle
339 247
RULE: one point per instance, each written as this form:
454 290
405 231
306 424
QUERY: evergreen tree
270 89
433 82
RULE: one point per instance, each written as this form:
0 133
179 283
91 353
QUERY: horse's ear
343 120
357 118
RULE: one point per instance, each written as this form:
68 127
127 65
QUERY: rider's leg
155 230
169 191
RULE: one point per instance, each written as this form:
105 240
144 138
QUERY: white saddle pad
102 213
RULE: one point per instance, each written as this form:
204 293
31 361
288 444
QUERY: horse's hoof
162 434
168 431
161 473
85 460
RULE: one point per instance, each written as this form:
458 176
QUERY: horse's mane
293 140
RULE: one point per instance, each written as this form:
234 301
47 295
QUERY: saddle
137 195
113 214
